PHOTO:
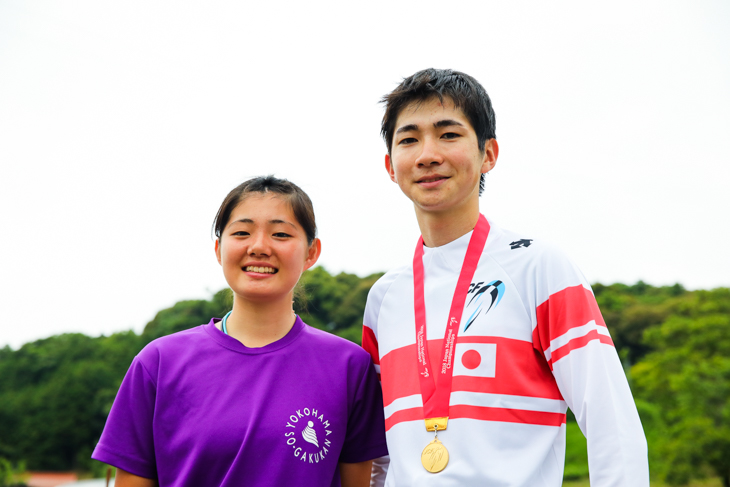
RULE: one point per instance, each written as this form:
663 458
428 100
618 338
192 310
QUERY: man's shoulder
536 266
525 247
382 285
380 289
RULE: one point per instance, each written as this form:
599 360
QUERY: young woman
258 398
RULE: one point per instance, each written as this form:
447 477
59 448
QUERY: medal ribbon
436 394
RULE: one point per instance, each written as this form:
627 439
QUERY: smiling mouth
260 270
431 179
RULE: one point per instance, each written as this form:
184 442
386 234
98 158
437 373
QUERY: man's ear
491 152
389 168
313 253
218 249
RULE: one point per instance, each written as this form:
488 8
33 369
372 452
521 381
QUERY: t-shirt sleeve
365 437
572 335
127 440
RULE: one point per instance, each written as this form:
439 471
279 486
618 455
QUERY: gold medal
435 456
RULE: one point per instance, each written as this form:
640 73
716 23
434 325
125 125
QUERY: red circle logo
471 359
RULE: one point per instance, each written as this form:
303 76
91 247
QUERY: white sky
124 124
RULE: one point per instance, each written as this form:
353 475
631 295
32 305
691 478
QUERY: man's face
435 158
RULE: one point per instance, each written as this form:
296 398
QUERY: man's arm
573 337
370 344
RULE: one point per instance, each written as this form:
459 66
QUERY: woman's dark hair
300 203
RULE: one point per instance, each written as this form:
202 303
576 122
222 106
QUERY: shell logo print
484 297
309 434
306 432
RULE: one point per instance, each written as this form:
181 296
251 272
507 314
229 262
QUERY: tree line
55 393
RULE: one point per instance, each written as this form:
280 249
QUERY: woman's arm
355 474
126 479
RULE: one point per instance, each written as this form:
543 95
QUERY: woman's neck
257 324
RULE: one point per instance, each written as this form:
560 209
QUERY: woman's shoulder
172 344
334 345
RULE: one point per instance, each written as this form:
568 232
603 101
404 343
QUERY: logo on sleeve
306 433
525 242
483 298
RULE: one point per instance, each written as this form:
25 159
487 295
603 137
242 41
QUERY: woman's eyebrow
282 221
275 221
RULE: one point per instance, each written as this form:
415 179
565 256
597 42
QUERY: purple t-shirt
199 408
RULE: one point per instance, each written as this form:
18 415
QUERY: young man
489 336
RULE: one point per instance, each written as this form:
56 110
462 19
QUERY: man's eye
240 233
450 135
407 140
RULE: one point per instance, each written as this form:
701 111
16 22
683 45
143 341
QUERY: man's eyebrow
447 123
411 127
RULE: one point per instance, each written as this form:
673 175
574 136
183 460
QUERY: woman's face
263 249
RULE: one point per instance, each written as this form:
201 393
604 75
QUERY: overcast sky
124 124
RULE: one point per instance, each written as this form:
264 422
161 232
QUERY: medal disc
435 456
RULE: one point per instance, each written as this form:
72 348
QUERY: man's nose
430 153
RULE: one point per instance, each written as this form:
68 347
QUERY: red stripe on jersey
566 309
520 370
507 415
579 342
402 416
370 344
482 413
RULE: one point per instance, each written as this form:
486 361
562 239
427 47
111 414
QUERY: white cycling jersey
532 343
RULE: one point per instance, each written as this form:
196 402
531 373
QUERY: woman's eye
281 235
240 233
450 135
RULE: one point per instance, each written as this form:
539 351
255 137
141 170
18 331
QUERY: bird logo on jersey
491 293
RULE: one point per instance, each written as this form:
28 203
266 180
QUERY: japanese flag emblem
475 359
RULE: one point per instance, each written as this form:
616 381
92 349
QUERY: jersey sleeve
372 311
127 439
370 344
572 335
365 437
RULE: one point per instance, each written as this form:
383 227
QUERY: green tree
332 302
55 395
187 314
631 310
688 378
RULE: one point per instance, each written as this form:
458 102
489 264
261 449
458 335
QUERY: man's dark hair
464 91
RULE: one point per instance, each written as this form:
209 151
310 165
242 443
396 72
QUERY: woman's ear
313 254
218 249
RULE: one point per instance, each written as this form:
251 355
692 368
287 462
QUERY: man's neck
441 228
